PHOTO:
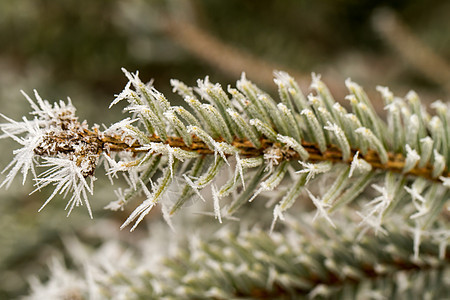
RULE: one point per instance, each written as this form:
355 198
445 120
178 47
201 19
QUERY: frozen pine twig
260 140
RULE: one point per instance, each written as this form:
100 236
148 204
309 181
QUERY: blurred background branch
411 49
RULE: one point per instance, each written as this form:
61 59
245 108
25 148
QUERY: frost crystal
359 164
376 209
67 177
56 135
313 169
24 158
320 206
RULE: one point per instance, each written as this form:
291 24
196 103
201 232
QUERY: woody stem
395 163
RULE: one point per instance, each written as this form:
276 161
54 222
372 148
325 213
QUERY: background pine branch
299 261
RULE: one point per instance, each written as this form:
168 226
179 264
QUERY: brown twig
395 163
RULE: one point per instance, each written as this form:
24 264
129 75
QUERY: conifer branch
314 262
247 131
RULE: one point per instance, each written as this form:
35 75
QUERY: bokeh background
76 48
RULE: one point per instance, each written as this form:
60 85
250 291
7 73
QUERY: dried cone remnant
66 137
84 147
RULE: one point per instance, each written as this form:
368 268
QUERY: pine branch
302 260
262 142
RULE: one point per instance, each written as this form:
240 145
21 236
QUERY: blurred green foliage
72 48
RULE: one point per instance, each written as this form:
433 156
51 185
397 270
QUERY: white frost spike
147 193
445 181
359 165
146 206
415 194
419 202
166 216
272 157
13 128
245 163
24 158
217 213
159 148
239 170
67 176
412 157
193 186
340 138
223 148
320 208
125 94
32 104
377 207
45 111
371 222
314 169
142 210
417 239
120 166
277 214
292 143
136 81
120 127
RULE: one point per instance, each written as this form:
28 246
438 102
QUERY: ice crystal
55 135
314 169
67 177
